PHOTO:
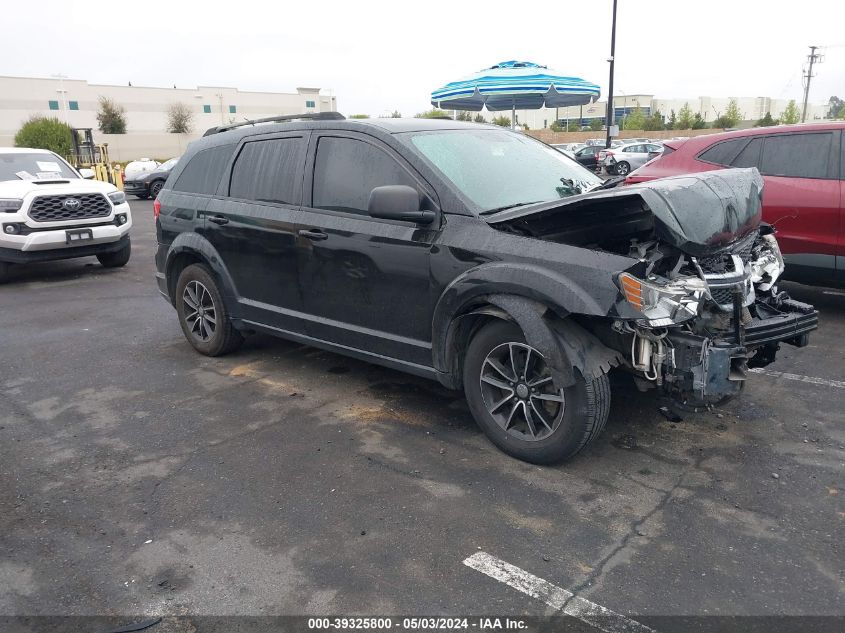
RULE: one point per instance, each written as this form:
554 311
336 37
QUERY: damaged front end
704 282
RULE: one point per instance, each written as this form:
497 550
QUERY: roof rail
308 116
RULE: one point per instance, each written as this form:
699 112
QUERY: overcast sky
380 56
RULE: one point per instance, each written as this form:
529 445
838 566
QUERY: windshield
496 170
167 165
35 166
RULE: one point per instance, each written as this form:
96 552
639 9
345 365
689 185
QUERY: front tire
514 400
202 314
116 259
5 269
155 188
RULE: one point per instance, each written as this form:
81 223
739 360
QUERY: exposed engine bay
703 278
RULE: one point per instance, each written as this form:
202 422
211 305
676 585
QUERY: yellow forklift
89 155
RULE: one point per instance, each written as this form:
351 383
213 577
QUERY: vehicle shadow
49 272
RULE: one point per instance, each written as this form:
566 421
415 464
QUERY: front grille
53 209
721 262
722 296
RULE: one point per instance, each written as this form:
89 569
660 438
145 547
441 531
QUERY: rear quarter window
265 171
204 170
723 152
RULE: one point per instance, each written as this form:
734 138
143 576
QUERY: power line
813 58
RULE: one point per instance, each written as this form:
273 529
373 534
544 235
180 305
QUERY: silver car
622 160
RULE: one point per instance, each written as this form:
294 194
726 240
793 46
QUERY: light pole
611 59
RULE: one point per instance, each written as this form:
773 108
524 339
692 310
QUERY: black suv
477 257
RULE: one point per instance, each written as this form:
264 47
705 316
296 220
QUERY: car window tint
796 155
204 170
723 153
265 171
346 171
750 155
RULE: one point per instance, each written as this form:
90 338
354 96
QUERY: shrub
45 133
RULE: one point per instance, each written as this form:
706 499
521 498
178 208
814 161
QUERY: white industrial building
710 108
77 102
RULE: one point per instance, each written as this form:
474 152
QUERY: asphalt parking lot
137 477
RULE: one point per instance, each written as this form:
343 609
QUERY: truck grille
55 208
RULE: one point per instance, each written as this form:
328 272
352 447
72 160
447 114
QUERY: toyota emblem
71 204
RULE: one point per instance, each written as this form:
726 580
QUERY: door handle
313 234
219 219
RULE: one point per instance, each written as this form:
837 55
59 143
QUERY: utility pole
609 118
813 58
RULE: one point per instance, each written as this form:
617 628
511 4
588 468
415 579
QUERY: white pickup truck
49 211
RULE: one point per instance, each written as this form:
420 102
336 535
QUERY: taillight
156 208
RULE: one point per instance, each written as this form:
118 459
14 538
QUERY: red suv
804 170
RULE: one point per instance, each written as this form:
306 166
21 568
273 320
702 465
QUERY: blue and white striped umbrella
515 85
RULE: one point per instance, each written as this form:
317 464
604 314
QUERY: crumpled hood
697 213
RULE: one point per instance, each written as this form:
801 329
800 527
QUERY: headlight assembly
664 304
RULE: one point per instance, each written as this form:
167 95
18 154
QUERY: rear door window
797 155
204 170
266 171
346 170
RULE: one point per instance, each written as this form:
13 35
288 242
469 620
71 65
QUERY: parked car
564 151
621 160
49 211
588 156
569 147
803 167
148 184
476 257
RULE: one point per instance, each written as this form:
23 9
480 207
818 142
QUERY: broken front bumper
702 370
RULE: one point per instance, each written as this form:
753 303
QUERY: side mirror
86 173
398 202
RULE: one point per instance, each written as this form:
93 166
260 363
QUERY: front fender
471 288
197 246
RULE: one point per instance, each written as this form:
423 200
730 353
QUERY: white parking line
839 384
564 601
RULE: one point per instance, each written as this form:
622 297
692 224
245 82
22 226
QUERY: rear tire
116 259
564 420
623 169
202 313
141 197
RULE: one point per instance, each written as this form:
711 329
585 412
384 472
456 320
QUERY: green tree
698 122
396 114
111 117
732 114
635 120
672 122
841 113
835 107
766 121
654 122
359 116
504 121
684 120
596 124
45 133
556 127
180 118
479 119
434 113
790 114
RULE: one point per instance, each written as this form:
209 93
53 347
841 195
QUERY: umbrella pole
513 114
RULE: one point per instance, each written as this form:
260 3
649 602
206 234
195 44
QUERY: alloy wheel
518 391
200 312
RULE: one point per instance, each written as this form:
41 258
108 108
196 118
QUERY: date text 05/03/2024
418 623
